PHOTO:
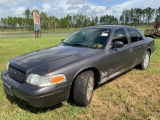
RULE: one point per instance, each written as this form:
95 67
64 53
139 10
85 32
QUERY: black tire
145 62
83 88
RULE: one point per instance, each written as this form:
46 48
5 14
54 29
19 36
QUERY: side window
120 35
134 35
139 35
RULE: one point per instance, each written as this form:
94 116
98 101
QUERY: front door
118 59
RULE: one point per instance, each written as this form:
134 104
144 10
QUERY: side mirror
63 40
117 44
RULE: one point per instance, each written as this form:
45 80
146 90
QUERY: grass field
57 30
133 95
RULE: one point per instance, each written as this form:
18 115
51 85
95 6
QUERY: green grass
57 30
133 95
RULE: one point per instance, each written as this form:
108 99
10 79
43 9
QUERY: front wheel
145 62
83 88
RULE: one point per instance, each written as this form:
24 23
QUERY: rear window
134 35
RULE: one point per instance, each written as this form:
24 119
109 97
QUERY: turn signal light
58 78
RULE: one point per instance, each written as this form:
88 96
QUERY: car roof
108 26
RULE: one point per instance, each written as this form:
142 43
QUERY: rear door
138 44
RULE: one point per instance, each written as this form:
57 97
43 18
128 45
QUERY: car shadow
24 106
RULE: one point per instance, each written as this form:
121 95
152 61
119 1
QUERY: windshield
92 38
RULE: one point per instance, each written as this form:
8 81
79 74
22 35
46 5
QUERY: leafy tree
96 20
28 19
149 14
157 13
108 19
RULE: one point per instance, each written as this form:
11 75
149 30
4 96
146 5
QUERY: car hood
52 58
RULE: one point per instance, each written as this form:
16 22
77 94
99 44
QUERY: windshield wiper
66 43
76 44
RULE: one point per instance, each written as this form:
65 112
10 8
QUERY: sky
61 8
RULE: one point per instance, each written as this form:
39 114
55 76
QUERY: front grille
16 74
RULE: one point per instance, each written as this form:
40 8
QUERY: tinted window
120 35
134 35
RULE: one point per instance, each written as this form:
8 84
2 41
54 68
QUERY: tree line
140 17
52 22
134 17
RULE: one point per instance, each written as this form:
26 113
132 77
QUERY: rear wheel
83 88
145 62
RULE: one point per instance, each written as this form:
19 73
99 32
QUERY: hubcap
146 60
90 88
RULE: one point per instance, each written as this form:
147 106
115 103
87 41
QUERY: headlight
7 66
45 80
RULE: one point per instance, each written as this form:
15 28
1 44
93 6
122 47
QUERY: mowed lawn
133 95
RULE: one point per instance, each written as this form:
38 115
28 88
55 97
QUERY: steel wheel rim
146 60
90 88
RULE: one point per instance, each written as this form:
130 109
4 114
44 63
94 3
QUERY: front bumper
34 95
